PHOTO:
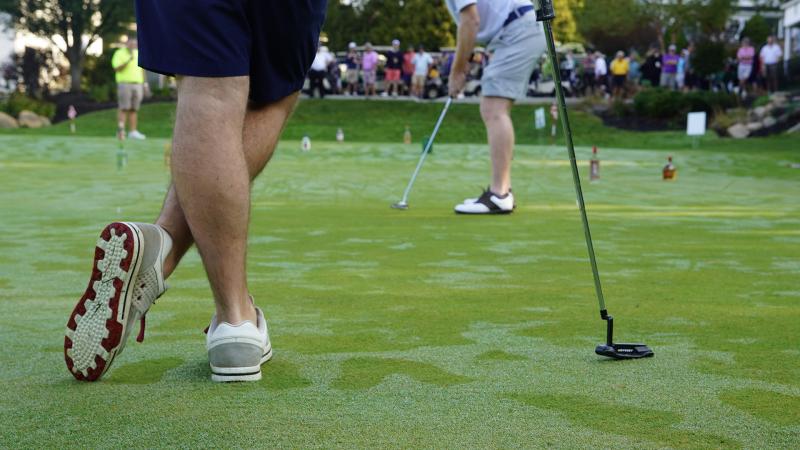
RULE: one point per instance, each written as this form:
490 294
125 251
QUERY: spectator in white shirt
771 55
319 70
601 71
422 63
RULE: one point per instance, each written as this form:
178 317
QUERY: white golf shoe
236 352
487 203
135 134
127 278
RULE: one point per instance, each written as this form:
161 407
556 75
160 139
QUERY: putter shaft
424 154
562 110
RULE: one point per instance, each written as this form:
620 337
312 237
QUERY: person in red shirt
408 66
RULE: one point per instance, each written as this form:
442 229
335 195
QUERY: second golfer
516 40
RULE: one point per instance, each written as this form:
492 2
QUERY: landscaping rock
738 131
760 112
769 121
29 119
7 121
794 129
45 121
754 126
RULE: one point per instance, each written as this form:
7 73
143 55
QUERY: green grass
422 328
385 121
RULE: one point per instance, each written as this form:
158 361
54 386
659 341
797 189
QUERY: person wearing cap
422 63
353 62
319 70
369 64
669 68
130 87
515 39
620 67
394 64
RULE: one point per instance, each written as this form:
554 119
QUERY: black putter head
619 351
624 351
400 205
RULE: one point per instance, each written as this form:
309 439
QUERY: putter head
624 351
400 205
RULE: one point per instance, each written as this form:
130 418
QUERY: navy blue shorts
272 41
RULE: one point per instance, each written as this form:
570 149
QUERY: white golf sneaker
127 278
135 134
487 203
236 352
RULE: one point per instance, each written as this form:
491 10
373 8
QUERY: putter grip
544 10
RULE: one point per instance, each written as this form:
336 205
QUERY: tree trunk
75 57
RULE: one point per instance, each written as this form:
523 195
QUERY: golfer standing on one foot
510 29
240 66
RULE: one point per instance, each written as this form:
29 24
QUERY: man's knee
493 110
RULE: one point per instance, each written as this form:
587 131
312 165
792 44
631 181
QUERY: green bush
620 109
709 57
18 101
761 101
659 103
709 101
97 71
757 29
667 105
102 93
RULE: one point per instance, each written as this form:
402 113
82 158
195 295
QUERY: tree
606 28
565 27
757 29
71 25
379 21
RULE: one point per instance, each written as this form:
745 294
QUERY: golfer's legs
262 128
495 112
212 184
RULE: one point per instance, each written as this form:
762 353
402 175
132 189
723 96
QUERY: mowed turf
421 328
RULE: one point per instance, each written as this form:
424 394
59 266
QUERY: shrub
709 57
761 101
757 29
97 71
102 93
659 103
664 104
18 101
620 109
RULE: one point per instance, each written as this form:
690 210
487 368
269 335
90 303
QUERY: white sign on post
696 124
539 119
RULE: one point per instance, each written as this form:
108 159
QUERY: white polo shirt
771 54
493 14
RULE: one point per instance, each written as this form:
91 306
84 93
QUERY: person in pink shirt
745 56
369 64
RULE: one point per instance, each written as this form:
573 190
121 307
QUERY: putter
403 204
546 13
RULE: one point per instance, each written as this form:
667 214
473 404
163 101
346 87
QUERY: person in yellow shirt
130 87
620 67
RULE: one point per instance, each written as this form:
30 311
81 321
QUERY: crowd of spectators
417 73
749 72
414 72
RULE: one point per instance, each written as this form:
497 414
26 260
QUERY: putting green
420 328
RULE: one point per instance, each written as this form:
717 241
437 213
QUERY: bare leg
212 184
121 117
133 119
495 112
262 128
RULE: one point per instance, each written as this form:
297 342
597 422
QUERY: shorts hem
174 72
